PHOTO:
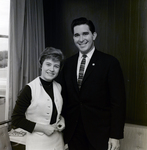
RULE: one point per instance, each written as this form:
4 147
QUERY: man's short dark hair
80 21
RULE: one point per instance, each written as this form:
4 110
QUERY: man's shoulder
105 56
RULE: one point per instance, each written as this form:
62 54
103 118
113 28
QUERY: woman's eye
57 66
48 64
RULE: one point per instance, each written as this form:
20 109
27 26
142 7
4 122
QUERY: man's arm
117 100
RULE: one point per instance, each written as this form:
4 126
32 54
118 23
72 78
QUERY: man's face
83 38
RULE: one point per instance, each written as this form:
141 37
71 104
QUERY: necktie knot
84 56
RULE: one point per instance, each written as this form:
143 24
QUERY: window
4 34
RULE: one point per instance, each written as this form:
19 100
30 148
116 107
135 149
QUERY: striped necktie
81 71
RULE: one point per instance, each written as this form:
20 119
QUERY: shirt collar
89 55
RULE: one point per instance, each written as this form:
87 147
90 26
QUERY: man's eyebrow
86 32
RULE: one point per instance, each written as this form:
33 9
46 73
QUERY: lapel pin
93 64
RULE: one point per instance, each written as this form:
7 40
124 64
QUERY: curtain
26 41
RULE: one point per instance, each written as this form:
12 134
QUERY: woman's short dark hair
51 53
80 21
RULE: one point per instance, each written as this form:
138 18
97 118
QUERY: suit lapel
92 64
74 71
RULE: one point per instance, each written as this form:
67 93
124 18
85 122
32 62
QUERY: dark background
122 32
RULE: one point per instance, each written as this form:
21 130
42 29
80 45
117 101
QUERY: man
94 101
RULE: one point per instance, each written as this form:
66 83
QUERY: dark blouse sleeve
18 116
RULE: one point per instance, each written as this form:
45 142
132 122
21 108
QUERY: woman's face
50 69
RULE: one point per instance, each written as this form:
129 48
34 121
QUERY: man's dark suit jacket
100 101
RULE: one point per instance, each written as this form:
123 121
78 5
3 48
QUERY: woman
39 106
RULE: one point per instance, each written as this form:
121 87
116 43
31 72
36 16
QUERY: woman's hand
49 129
46 129
60 124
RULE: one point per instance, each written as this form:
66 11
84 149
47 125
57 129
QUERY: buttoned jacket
100 103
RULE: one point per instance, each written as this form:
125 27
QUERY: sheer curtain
26 43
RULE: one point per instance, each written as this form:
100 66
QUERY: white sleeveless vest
40 111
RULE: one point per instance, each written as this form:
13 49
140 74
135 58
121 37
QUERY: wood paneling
122 32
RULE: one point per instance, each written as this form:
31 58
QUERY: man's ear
94 35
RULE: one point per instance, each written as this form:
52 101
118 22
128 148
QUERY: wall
122 32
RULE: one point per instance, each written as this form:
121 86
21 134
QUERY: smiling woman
40 115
